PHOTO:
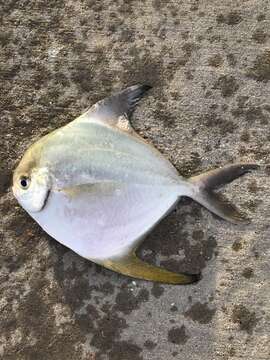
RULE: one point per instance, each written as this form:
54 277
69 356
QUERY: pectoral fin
132 266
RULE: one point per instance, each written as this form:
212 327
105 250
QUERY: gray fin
215 178
132 266
220 206
214 202
116 109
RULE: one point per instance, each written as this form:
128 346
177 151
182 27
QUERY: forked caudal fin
131 265
205 183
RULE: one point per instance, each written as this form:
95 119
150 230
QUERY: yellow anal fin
132 266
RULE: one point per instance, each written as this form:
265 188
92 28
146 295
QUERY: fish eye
24 182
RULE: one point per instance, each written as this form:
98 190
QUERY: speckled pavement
209 63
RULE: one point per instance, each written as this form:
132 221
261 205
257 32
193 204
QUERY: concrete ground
209 63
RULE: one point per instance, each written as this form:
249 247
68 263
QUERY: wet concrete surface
209 63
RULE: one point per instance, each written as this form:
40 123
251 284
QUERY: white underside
102 223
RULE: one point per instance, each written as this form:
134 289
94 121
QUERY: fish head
31 182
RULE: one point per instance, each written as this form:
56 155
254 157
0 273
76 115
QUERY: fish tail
204 184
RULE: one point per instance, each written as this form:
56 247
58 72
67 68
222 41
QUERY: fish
97 187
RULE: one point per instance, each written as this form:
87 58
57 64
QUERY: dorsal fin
116 109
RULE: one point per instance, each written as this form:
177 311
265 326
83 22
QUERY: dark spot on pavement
215 60
33 311
85 321
198 235
106 288
126 301
196 256
157 290
200 312
110 326
5 180
246 319
173 308
231 59
260 70
188 48
5 37
237 245
158 4
163 114
261 17
190 165
245 136
253 187
241 106
255 113
123 350
248 273
143 67
194 7
231 18
227 84
213 120
259 36
178 335
252 204
149 345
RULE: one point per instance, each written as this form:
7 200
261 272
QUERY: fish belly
104 220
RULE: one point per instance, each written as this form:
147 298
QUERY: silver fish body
98 188
108 189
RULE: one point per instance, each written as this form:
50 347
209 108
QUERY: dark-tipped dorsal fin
116 109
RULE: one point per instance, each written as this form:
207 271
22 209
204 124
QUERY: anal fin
132 266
